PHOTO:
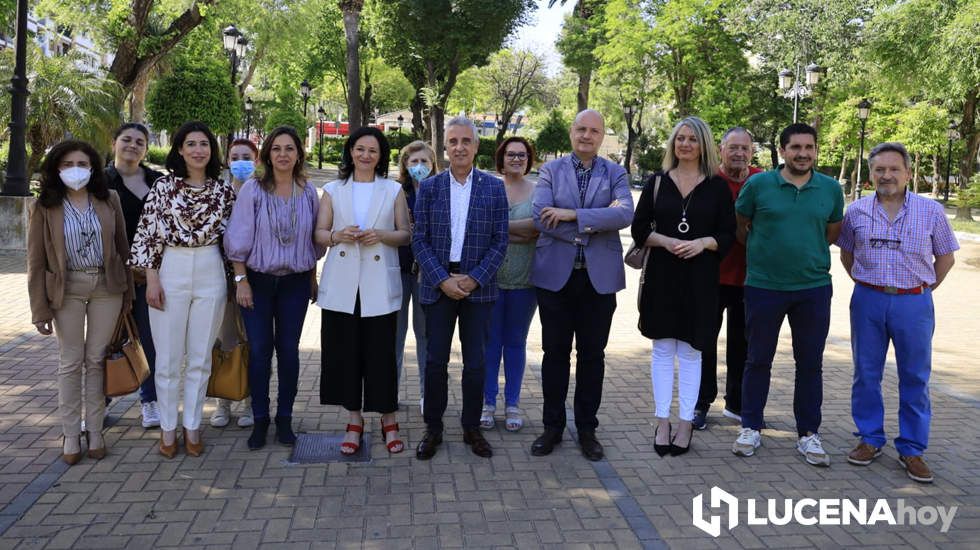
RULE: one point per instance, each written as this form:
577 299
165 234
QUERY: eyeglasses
516 156
891 244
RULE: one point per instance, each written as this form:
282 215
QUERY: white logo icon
713 526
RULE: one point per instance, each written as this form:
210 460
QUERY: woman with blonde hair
685 216
416 161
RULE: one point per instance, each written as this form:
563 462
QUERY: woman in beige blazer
77 280
363 218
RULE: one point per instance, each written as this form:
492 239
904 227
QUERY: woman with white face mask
416 161
241 167
78 283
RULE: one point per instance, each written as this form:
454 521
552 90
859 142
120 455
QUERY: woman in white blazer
363 218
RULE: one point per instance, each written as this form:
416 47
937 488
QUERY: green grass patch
965 226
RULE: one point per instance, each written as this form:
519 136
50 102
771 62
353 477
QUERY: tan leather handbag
229 368
126 366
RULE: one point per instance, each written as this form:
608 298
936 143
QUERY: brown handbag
229 369
126 366
636 256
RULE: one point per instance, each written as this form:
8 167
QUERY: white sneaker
246 420
222 414
150 414
729 414
810 447
748 441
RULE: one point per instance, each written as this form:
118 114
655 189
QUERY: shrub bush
157 155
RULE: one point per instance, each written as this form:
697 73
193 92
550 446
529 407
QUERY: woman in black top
688 228
132 180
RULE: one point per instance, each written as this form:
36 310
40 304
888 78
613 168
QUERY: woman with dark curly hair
77 280
177 244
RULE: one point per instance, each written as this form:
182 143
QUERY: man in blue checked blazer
459 241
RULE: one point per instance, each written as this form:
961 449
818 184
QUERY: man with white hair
459 240
898 247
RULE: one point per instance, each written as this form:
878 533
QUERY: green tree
514 79
582 33
198 89
553 136
284 115
63 100
432 41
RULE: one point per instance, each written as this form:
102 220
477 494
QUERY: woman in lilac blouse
270 244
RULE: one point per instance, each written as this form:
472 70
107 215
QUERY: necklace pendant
683 227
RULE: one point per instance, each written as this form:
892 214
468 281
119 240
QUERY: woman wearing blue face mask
77 281
241 167
415 163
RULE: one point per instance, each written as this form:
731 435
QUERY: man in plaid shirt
898 247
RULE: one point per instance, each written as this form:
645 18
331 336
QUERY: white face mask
75 177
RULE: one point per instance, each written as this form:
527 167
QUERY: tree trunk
352 16
968 131
935 176
437 114
137 100
915 173
418 119
773 152
584 83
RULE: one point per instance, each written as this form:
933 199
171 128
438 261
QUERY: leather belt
578 265
454 268
895 290
87 270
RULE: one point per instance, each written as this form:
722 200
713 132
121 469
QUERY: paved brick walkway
135 498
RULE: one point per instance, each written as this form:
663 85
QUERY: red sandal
394 443
348 448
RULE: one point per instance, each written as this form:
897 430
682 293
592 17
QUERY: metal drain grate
320 448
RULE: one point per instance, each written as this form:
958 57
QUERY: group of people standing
190 251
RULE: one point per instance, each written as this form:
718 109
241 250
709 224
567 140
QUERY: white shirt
362 191
459 208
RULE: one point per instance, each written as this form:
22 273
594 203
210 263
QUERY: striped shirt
83 237
582 175
896 253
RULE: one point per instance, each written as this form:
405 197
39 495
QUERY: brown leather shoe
916 468
168 451
863 454
478 444
71 458
194 449
97 454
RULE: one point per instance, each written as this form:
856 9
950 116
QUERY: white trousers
662 375
194 294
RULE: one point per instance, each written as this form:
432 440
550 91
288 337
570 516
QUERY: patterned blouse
178 214
83 237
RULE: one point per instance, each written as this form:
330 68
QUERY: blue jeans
908 321
809 319
410 300
509 324
275 322
141 314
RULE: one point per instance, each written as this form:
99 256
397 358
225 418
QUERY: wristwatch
239 278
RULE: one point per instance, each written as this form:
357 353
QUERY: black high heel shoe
661 450
677 450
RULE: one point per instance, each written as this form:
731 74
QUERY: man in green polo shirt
788 217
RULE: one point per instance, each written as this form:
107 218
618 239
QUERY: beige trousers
84 326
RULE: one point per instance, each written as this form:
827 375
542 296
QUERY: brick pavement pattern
232 497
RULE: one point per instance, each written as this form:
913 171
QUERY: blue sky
541 33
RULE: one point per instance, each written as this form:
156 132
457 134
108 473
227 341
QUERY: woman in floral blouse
178 245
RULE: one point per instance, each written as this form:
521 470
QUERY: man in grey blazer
580 204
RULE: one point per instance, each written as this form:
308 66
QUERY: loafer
478 444
591 448
545 443
428 446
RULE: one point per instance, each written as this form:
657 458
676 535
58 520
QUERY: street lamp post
320 115
951 134
789 82
630 112
864 109
16 182
248 117
304 91
234 44
401 120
